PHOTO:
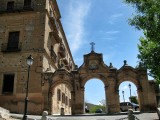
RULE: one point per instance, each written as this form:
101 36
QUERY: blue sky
104 22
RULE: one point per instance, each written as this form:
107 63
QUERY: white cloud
114 18
112 32
74 21
108 35
108 38
123 88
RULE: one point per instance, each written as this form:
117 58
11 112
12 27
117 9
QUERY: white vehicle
124 106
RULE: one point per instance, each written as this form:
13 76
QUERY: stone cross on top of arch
92 46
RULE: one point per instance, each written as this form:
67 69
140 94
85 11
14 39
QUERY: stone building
32 27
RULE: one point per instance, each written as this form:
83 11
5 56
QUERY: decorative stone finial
125 62
110 65
76 67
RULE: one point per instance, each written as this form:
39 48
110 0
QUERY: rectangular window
13 41
70 103
59 95
66 100
27 4
10 6
63 98
53 54
8 84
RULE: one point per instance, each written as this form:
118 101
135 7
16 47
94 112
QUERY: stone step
4 113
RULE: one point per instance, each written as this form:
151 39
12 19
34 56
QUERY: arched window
58 94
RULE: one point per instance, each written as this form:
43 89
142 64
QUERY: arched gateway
94 67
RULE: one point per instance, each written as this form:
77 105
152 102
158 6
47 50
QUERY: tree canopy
134 99
147 19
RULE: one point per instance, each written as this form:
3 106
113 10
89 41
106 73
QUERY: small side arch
62 102
61 82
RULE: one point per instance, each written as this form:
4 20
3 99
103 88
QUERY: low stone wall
4 113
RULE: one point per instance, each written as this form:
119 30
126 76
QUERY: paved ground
140 116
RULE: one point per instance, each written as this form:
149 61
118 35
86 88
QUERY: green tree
103 104
95 107
134 99
147 19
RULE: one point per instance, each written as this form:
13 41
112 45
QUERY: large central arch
94 67
95 76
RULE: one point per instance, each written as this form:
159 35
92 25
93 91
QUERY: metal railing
28 7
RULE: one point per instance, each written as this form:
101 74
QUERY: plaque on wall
93 64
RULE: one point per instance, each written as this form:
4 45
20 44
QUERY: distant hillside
90 105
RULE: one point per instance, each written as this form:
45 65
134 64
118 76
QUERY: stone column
140 98
73 102
147 95
112 100
117 102
82 100
106 95
45 89
50 103
79 101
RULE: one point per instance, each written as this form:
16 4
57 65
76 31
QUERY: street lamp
130 89
29 63
123 96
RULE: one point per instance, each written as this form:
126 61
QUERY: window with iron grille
10 6
58 94
13 41
66 100
27 4
8 84
63 98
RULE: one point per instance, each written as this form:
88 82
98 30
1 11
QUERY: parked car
99 111
124 106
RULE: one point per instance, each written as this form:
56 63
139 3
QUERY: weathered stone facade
94 67
31 27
